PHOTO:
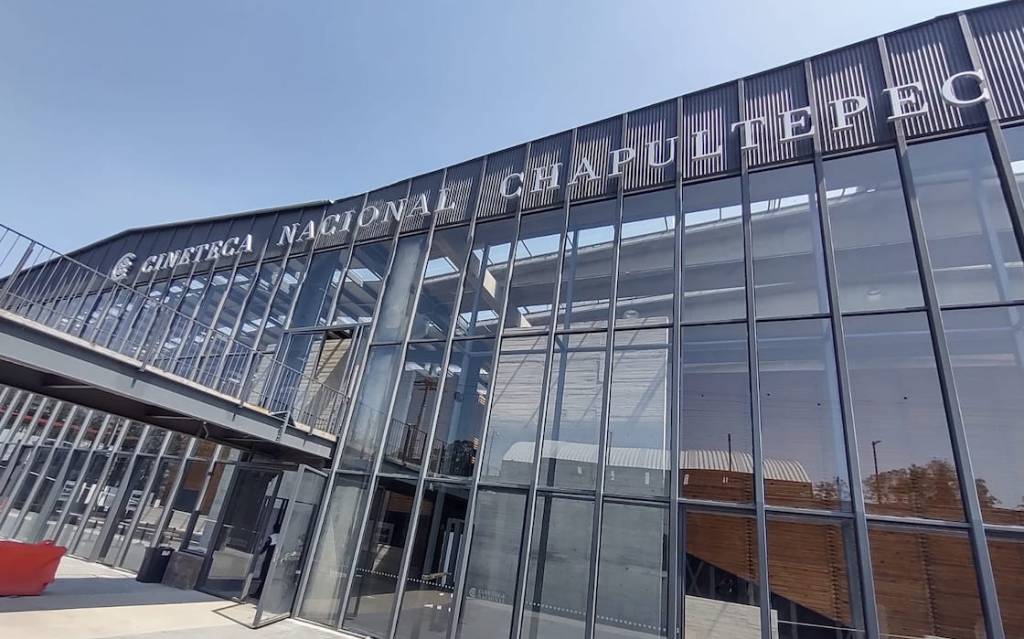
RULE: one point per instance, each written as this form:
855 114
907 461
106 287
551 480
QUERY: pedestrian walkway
90 601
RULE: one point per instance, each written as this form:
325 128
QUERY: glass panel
209 508
812 573
906 460
925 584
967 226
258 302
532 291
105 497
379 558
639 417
801 420
440 283
587 266
715 437
789 274
490 584
332 561
367 422
277 317
403 279
646 259
559 567
319 288
152 504
986 348
572 432
60 492
185 501
508 451
721 576
713 271
79 500
35 491
1008 565
426 607
461 419
486 278
124 511
874 253
408 434
632 573
358 295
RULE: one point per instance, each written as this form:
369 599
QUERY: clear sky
116 114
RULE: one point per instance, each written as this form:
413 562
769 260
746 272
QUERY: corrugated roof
655 459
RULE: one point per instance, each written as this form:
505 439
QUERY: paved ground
90 601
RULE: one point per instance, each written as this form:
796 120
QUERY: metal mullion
6 419
345 418
165 516
51 499
379 455
25 445
91 451
147 486
602 435
947 386
136 313
414 511
763 591
176 314
34 490
860 528
997 143
531 496
100 481
17 428
190 319
676 550
105 536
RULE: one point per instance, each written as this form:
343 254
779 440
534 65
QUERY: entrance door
251 512
279 584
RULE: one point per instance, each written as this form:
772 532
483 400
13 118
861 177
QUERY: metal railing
46 287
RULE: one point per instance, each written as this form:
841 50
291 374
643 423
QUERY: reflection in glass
461 419
332 561
358 295
409 431
532 290
906 459
874 253
515 411
185 501
809 572
587 266
632 572
366 426
713 271
379 558
789 271
986 348
721 576
486 277
1007 555
558 572
915 597
490 584
403 279
318 289
646 259
440 283
973 251
426 607
801 420
716 449
572 432
637 459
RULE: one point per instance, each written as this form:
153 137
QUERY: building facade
744 363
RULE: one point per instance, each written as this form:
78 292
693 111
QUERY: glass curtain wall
569 371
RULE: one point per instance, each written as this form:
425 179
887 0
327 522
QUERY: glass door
280 582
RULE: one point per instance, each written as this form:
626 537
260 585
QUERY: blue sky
118 114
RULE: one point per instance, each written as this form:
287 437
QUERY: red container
27 569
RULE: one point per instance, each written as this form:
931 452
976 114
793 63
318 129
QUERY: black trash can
154 564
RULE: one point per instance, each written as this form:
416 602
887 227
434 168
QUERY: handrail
44 286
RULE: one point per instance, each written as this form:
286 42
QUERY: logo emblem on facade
122 266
